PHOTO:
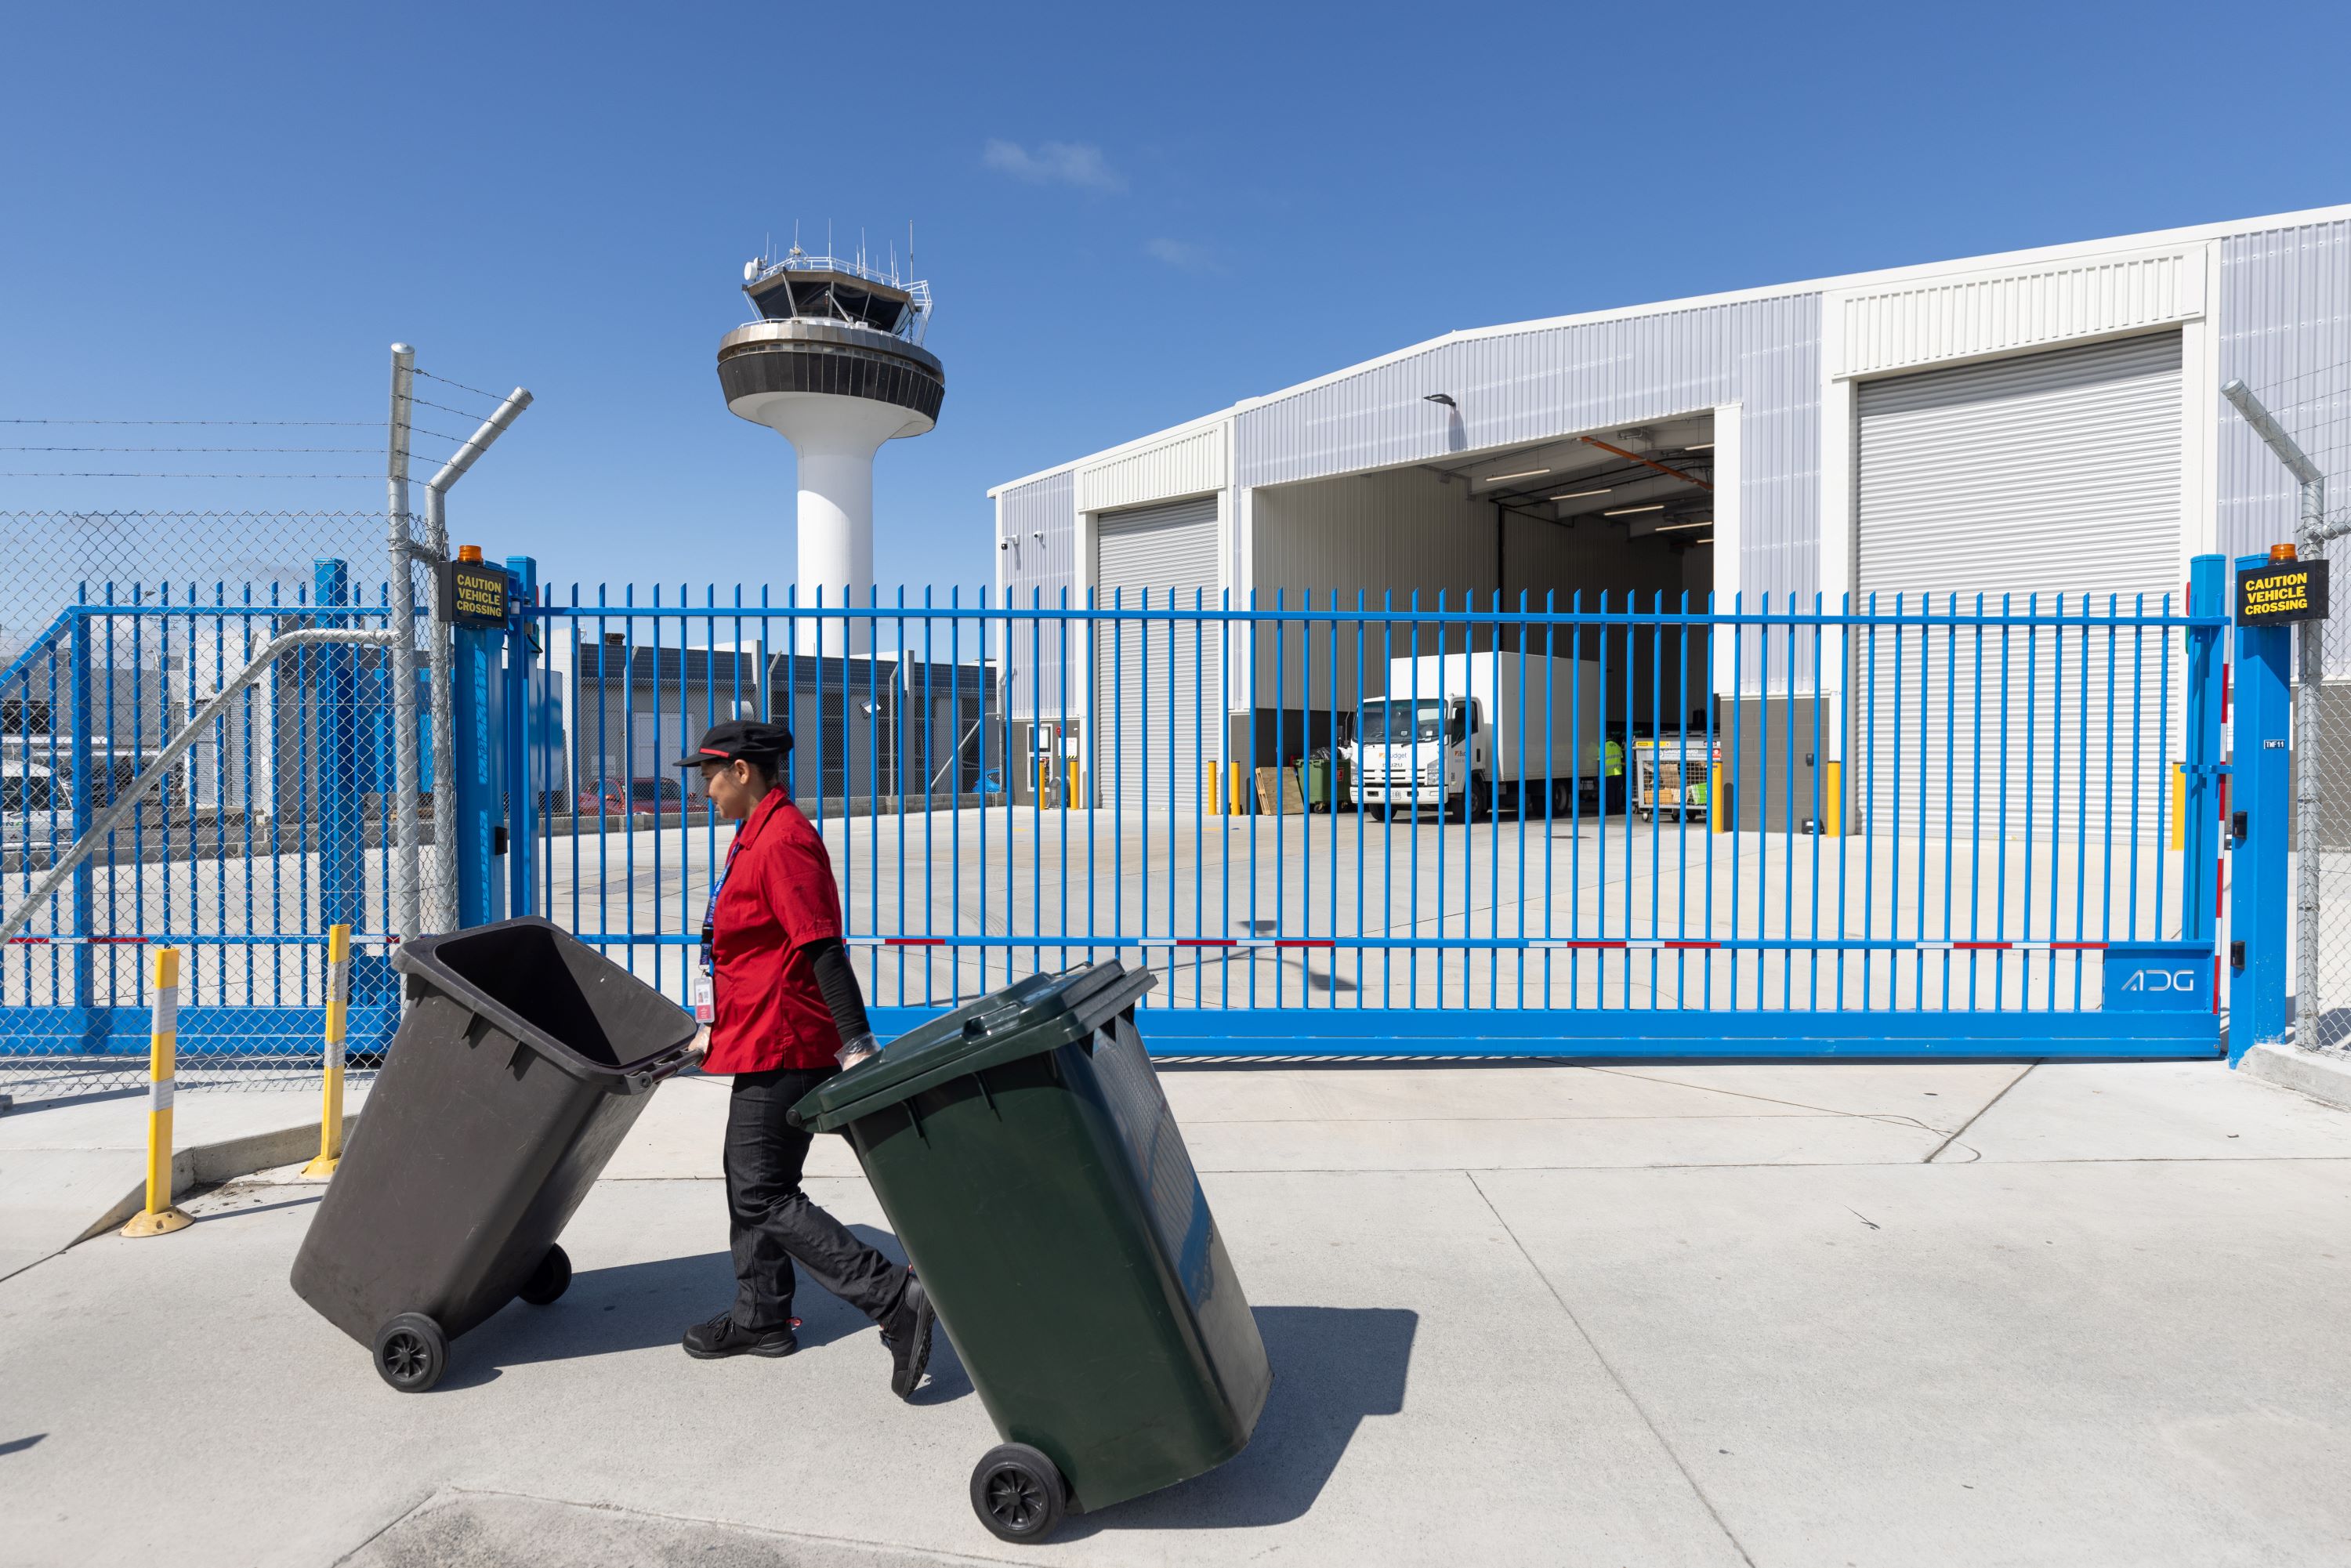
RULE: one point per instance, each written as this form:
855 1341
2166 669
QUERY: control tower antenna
836 365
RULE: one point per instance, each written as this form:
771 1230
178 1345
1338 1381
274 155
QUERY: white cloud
1183 255
1075 163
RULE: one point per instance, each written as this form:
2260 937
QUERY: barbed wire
444 380
255 451
277 423
95 474
445 408
48 514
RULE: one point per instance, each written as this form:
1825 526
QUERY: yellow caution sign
2282 593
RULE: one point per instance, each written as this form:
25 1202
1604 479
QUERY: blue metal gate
1949 828
1940 827
269 831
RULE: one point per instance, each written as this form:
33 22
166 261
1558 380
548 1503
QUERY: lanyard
710 914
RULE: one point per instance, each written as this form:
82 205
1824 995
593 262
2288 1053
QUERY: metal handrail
110 820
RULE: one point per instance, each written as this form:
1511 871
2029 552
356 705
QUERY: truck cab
1417 753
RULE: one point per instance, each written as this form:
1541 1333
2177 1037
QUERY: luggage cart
1674 775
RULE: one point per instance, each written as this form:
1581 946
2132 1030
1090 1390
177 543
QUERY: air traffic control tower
836 365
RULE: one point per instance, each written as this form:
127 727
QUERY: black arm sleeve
838 981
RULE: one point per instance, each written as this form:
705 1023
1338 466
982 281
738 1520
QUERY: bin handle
665 1065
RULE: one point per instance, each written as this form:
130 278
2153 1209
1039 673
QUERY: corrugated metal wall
1043 567
1407 531
1189 464
2284 312
2286 331
1917 323
1158 676
1545 381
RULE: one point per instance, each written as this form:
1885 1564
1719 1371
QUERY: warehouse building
2030 421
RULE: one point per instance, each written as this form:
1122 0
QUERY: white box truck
1498 727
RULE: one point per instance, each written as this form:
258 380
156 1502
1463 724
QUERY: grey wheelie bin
523 1061
1026 1158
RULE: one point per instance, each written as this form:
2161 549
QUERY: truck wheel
411 1353
1017 1493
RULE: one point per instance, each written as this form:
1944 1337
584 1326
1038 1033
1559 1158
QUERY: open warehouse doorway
1618 517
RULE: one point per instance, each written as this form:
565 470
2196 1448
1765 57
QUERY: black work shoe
722 1336
908 1335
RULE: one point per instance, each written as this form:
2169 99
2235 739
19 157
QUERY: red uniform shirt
778 897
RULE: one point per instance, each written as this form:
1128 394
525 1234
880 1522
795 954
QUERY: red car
638 797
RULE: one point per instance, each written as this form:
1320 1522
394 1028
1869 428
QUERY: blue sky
1129 215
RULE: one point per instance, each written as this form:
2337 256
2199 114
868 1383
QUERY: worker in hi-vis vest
1612 768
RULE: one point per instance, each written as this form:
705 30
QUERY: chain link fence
2330 1012
272 822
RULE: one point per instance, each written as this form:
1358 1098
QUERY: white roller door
1154 556
2047 474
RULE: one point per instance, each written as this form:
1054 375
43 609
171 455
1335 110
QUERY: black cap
735 738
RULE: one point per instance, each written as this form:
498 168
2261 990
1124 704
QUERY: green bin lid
1041 1013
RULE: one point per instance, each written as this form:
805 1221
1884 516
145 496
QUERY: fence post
522 735
475 823
341 885
339 997
158 1218
94 1028
2262 801
2199 889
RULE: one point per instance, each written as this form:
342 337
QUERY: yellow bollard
158 1218
2179 807
338 1000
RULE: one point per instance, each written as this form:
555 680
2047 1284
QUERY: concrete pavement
1762 1314
68 1169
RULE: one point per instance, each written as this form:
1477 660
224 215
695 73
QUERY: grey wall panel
1403 531
2286 331
2052 471
1043 568
1158 675
2049 472
1544 381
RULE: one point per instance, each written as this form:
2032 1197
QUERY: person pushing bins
781 1011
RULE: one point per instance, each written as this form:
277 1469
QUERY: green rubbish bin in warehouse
1326 783
1026 1159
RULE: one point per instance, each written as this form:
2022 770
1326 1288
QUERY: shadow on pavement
647 1305
1333 1366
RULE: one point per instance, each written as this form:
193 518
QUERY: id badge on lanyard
706 1004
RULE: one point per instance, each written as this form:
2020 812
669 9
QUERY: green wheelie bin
1026 1159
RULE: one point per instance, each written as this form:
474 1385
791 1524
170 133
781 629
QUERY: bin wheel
411 1353
1019 1493
549 1280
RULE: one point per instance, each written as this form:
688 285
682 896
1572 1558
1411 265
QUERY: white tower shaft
835 439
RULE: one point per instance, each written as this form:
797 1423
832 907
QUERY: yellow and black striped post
158 1218
339 999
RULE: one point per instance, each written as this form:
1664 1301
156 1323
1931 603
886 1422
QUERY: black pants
774 1224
